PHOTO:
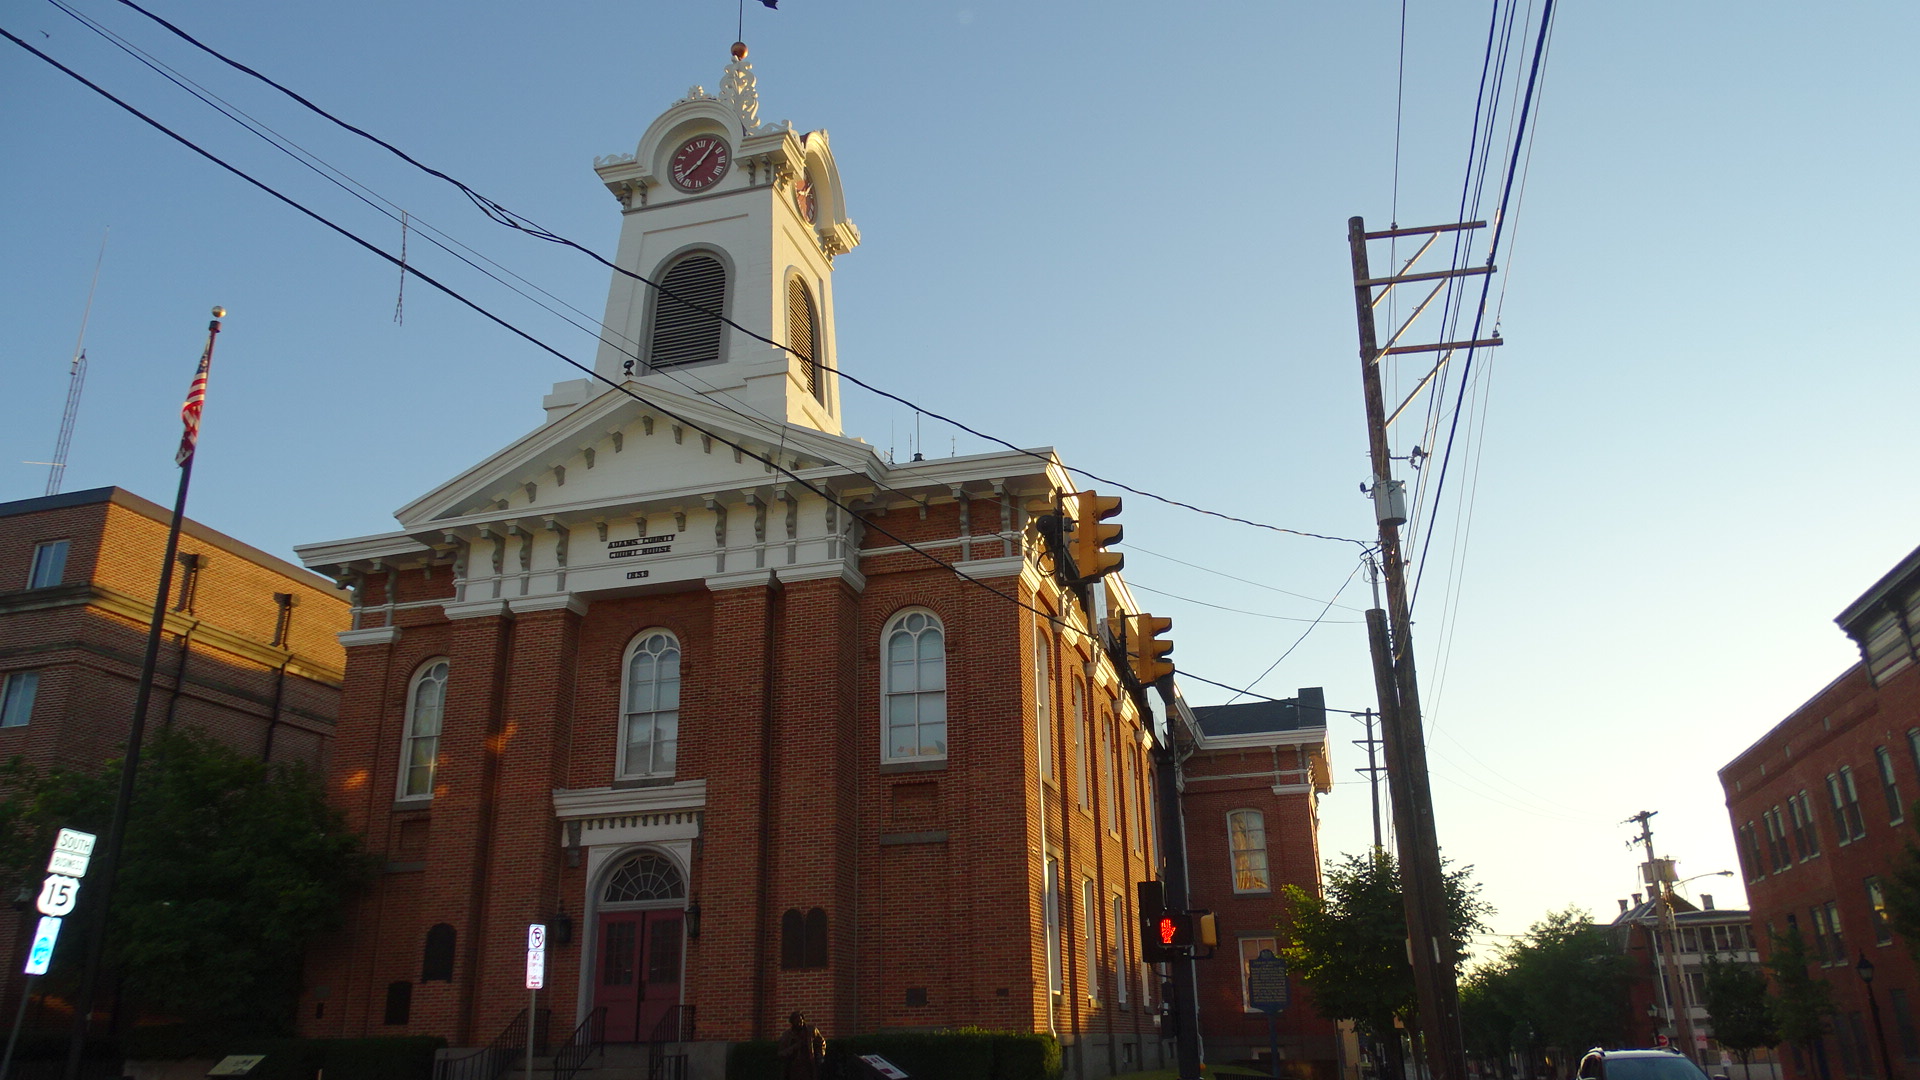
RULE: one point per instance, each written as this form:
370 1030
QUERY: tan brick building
250 649
753 717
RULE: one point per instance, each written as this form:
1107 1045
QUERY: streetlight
1677 998
1865 970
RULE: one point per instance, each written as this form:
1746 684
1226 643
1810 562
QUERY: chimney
1706 901
1623 907
1636 899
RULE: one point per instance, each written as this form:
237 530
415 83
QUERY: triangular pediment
619 449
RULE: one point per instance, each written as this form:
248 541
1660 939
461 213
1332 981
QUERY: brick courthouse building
717 718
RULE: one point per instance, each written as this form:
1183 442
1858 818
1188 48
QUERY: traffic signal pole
1173 874
1423 885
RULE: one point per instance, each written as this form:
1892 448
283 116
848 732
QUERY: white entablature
621 496
772 215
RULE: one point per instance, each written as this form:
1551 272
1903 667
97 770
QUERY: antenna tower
76 381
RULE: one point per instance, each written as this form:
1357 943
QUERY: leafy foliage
1902 888
231 867
1738 1006
1563 984
1801 1003
1349 946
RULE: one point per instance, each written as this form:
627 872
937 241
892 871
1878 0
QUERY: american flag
190 412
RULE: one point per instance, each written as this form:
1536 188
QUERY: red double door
638 972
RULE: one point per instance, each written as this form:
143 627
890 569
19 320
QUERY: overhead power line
524 335
502 215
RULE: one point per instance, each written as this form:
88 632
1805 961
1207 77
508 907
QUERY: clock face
699 163
804 200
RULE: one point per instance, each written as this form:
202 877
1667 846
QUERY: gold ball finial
739 50
219 312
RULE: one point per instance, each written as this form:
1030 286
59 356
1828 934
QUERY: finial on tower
739 50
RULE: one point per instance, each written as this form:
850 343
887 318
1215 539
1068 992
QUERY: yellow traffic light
1147 650
1091 560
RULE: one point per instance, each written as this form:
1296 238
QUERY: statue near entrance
801 1050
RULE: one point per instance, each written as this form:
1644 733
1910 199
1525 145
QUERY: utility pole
1659 878
1372 773
1422 880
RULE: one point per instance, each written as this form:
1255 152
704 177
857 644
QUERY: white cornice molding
834 568
1009 566
740 579
550 602
474 609
571 803
378 635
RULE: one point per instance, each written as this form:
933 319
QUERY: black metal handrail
676 1025
490 1061
588 1039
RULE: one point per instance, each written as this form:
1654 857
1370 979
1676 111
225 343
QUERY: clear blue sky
1118 229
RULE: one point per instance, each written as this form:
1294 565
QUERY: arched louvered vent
802 338
682 332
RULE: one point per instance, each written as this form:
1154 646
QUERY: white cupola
732 215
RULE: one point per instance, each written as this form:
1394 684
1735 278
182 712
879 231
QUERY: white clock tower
732 215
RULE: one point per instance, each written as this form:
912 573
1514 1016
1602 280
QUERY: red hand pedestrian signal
1168 929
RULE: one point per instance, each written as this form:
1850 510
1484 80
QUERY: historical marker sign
1267 988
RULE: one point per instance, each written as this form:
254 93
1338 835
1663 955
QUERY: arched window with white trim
913 655
1247 838
650 706
420 749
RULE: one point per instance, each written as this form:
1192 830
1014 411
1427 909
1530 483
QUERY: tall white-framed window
1050 911
914 659
1109 763
1043 701
1120 966
650 706
49 564
420 752
1080 735
17 691
1250 948
1090 924
1247 838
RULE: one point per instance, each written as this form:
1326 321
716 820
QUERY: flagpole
108 858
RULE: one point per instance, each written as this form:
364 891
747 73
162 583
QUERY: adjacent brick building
1251 794
1821 807
249 653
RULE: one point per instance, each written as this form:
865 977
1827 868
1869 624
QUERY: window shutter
682 332
801 337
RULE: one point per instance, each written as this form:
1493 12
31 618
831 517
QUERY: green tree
1902 889
1737 1004
1349 946
1801 1003
1493 1021
231 868
1572 982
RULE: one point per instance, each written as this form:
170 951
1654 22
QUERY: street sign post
1268 991
536 978
72 851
